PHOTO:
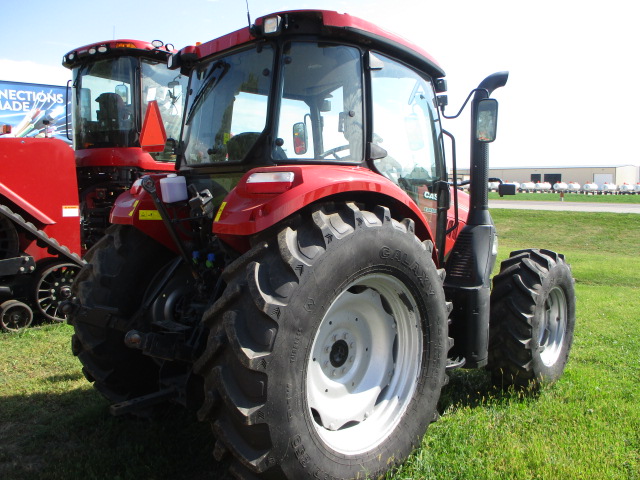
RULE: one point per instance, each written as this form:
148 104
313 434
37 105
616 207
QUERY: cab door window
320 116
405 127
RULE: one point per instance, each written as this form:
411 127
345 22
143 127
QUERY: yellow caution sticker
222 205
149 215
133 209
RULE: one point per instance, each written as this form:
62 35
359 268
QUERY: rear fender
253 207
463 214
135 207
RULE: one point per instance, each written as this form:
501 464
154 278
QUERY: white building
613 174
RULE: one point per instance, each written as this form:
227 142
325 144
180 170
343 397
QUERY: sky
570 99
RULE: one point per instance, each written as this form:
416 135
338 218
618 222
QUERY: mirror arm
449 117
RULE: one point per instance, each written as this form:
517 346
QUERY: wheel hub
339 353
552 332
54 286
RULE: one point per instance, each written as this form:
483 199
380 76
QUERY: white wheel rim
364 364
554 326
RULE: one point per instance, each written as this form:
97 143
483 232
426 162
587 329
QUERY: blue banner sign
33 110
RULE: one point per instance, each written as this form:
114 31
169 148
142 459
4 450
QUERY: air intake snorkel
473 256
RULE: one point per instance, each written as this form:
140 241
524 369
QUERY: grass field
568 197
53 425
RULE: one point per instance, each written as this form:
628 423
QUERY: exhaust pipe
469 266
478 188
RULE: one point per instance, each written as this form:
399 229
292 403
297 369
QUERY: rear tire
532 319
118 271
327 350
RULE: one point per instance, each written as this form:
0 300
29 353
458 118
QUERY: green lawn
587 425
53 425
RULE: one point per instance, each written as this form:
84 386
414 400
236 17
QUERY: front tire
532 319
327 351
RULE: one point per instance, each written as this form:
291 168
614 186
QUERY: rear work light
271 25
270 182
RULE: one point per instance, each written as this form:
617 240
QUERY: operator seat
112 111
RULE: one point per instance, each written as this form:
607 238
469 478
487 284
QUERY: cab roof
330 25
117 47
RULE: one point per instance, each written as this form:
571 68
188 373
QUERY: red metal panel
121 157
329 18
38 176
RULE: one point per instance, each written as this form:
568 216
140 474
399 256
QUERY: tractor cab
293 96
113 83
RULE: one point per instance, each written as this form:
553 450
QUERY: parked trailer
527 187
542 187
609 188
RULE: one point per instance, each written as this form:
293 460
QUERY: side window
404 125
321 111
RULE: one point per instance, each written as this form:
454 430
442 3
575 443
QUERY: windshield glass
167 87
321 109
103 104
227 108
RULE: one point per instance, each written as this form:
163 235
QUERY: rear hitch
166 346
143 402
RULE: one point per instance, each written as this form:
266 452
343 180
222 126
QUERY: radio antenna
248 16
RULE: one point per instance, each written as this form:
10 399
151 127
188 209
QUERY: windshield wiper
210 83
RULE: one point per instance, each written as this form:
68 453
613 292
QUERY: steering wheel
333 152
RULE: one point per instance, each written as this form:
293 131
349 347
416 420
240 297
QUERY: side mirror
153 136
300 138
486 120
123 91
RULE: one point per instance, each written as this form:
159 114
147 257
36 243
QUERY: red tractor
113 82
309 276
39 234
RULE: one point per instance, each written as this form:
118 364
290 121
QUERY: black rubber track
520 293
262 328
9 243
118 271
